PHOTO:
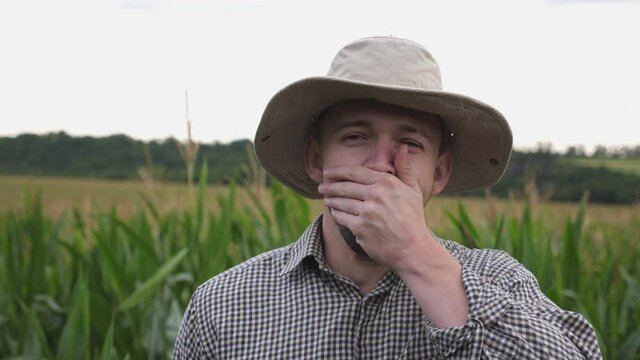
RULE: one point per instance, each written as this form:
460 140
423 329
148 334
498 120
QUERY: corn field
105 287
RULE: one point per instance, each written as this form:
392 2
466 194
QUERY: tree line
114 157
121 157
557 178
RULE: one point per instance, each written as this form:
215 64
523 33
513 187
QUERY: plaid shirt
288 304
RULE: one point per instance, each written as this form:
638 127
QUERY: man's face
369 133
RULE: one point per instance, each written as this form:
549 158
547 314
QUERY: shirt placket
367 311
365 307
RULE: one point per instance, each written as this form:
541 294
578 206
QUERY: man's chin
350 239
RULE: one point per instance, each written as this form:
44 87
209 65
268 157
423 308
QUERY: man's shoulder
250 274
491 263
261 277
237 289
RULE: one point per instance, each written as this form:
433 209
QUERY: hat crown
393 71
387 61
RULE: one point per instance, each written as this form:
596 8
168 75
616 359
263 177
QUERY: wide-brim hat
394 71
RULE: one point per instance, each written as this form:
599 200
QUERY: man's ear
312 160
442 173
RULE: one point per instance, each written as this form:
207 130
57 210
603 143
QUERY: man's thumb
404 171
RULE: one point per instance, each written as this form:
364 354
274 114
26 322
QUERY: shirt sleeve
510 318
189 343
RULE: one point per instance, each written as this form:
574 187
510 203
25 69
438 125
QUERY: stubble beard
350 238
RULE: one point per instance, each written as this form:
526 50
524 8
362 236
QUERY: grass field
91 195
104 269
631 166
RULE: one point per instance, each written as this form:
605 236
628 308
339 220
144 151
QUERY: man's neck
364 272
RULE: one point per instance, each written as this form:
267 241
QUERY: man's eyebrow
413 129
406 128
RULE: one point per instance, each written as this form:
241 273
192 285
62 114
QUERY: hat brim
481 144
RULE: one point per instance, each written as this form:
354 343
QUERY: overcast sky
565 72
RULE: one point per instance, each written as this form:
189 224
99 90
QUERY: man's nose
382 156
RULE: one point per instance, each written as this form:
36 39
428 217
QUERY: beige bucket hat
390 70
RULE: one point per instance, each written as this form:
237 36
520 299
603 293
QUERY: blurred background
127 175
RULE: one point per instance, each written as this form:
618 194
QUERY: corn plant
592 270
110 288
102 286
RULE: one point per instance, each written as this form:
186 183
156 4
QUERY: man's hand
385 212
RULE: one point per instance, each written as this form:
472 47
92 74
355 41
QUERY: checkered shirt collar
308 245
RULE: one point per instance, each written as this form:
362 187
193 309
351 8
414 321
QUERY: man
376 138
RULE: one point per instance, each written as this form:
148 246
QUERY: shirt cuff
487 303
449 340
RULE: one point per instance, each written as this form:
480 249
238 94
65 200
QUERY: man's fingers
343 218
356 174
344 189
349 206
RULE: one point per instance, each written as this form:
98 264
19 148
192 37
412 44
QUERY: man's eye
354 137
412 143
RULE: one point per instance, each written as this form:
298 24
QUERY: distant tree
633 152
544 148
600 151
113 157
575 151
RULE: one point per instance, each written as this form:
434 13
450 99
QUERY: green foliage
107 287
114 157
591 270
630 165
610 176
566 179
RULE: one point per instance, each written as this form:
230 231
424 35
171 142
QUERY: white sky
565 72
